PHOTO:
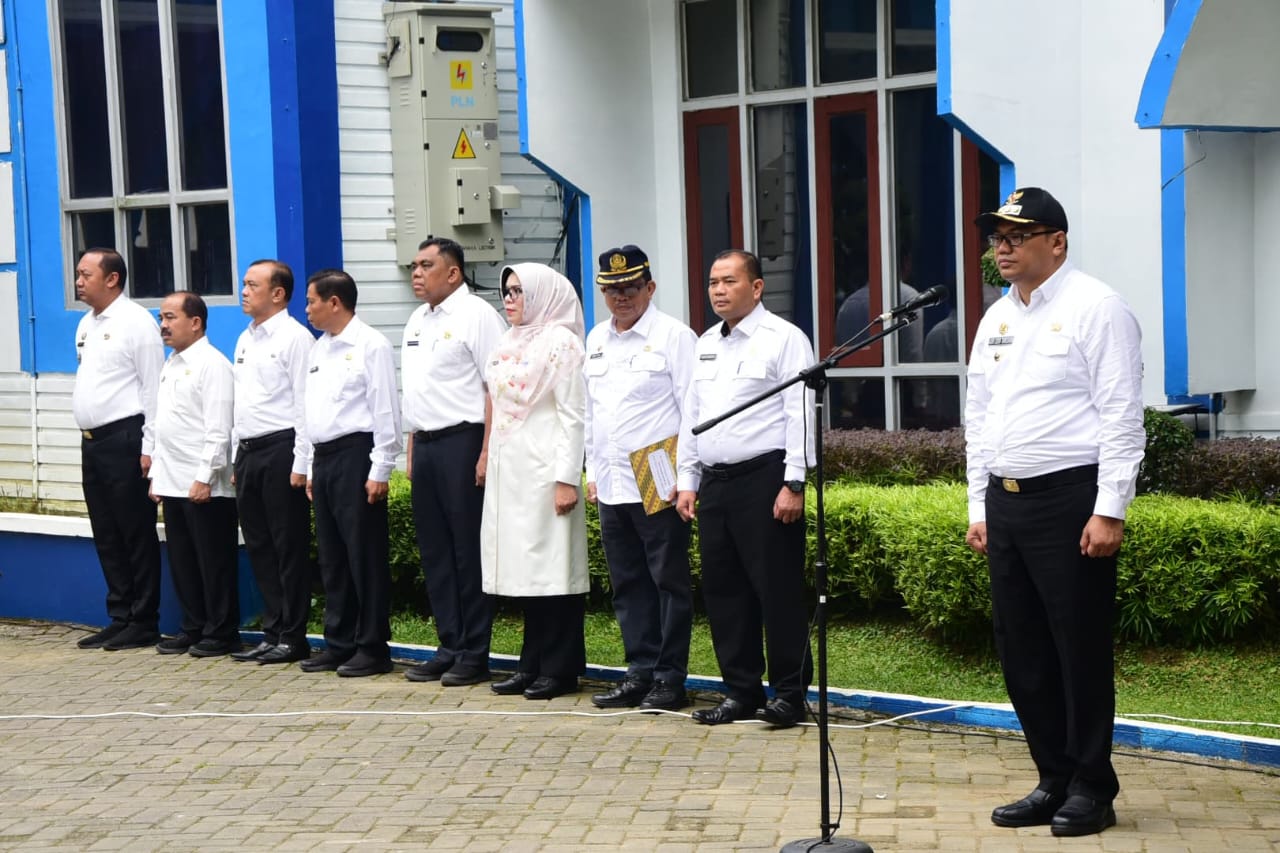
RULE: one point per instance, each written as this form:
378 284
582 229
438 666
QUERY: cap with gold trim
623 264
1026 206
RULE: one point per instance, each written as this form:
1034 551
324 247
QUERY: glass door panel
713 200
848 202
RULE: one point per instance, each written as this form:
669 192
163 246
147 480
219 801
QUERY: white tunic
525 548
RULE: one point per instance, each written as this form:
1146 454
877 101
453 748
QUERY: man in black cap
638 366
1053 421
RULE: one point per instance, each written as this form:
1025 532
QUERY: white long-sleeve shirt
120 354
351 387
760 352
636 386
1056 384
271 360
193 423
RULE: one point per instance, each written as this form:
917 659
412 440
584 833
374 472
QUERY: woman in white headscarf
533 533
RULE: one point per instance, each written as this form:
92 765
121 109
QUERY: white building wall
1055 90
364 122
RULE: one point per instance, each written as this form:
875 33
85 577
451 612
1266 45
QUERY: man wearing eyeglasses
1053 422
446 409
638 366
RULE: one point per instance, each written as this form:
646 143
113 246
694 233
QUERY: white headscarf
533 357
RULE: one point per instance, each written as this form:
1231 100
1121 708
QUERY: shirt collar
192 353
117 305
350 335
1049 289
271 324
642 326
449 303
748 324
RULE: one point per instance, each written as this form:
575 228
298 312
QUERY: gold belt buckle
1010 485
87 433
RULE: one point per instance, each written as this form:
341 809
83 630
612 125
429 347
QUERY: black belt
425 435
267 439
342 442
729 470
111 428
1065 477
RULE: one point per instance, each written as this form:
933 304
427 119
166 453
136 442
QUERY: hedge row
1190 570
1175 463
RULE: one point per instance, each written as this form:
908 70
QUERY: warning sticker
460 74
462 150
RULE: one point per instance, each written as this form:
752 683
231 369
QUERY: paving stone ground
313 762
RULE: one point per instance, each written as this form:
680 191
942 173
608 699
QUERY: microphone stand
815 378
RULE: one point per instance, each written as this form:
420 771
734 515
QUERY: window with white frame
144 150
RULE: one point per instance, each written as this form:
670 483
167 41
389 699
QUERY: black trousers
648 558
202 545
123 519
753 584
447 505
275 519
351 536
554 645
1053 610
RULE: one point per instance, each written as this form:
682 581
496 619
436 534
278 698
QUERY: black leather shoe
132 637
285 653
363 665
546 687
176 645
665 696
1081 815
628 693
97 639
326 661
462 674
253 653
781 713
515 685
211 648
728 711
1035 809
432 670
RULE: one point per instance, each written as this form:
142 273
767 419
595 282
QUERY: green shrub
1194 571
1169 446
1245 468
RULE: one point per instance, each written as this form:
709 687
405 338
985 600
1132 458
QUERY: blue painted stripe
946 109
580 255
1179 21
17 158
1130 733
1173 262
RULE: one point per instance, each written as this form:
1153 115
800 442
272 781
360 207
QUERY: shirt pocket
271 376
752 368
1047 362
596 367
707 370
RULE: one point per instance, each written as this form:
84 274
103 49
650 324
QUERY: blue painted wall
59 578
282 124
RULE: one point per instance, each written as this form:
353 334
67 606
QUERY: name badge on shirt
1000 341
596 355
412 343
647 362
707 356
315 369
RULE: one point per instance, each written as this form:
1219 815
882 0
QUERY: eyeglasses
1013 238
512 292
627 290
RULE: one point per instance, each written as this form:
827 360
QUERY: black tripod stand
816 378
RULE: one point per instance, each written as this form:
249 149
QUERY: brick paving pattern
469 771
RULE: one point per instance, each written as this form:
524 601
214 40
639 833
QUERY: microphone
932 296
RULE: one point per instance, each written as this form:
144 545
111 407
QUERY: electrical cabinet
442 71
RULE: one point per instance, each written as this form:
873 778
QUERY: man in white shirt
638 366
191 476
119 353
1053 423
270 452
353 423
446 410
746 476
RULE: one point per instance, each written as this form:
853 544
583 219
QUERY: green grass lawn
889 654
